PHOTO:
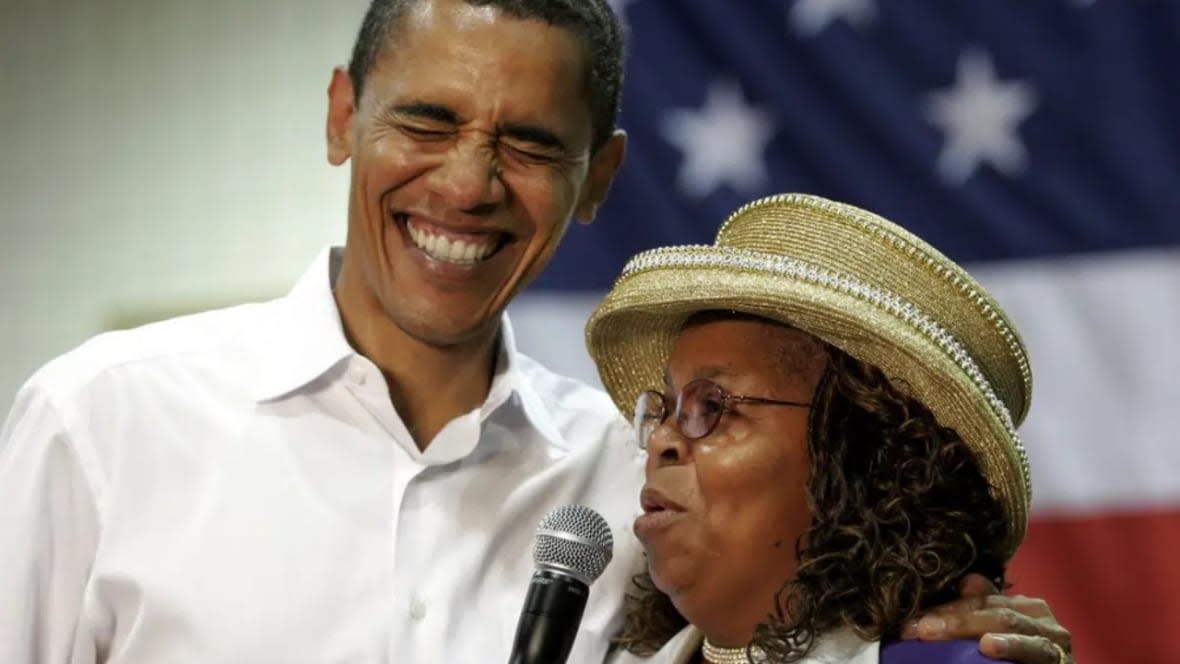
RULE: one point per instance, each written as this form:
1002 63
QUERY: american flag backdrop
1035 141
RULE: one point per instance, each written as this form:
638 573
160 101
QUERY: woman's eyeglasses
699 408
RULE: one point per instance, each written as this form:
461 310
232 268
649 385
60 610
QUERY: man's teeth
452 250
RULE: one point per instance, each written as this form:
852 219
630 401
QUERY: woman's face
723 512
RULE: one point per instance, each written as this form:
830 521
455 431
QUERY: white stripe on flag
1103 332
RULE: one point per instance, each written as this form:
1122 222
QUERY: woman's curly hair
901 513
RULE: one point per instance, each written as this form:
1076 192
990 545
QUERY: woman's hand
1019 629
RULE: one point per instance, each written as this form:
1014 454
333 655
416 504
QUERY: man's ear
604 165
341 110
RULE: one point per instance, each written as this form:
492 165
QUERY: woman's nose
666 446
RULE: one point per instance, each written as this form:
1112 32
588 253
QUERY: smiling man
472 144
353 472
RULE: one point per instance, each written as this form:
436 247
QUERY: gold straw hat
855 280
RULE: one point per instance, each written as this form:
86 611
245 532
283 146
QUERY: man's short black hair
592 21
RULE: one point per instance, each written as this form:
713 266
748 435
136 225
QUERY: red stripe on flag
1112 580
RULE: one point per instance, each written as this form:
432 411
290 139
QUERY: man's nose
469 177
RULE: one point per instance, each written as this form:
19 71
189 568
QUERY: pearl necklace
718 655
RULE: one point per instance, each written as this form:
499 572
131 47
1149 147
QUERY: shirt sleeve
48 533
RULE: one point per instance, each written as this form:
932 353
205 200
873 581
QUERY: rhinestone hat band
745 259
878 228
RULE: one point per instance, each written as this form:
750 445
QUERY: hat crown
877 252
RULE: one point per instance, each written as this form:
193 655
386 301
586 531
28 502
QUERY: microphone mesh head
574 538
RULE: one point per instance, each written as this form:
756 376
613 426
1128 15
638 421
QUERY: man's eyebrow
533 134
426 111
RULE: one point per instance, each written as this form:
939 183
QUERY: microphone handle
550 618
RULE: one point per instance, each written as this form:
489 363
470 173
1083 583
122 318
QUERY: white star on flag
979 116
723 142
810 17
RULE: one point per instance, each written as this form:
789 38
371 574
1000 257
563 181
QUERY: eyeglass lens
698 409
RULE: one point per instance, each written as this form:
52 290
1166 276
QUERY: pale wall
158 156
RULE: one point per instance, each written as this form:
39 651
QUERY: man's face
471 150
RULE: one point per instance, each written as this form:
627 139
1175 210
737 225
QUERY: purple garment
934 652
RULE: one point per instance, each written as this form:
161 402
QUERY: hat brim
631 333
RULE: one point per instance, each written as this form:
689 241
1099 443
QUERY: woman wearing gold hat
829 408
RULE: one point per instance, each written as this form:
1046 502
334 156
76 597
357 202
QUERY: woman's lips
659 513
652 523
653 500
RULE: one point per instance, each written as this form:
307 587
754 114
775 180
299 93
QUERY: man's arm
48 533
1020 629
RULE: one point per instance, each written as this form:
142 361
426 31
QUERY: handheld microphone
573 546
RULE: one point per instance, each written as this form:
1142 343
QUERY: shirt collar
511 385
306 339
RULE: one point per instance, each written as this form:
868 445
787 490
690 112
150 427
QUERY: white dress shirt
236 486
840 646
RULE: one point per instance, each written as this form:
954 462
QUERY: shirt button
417 610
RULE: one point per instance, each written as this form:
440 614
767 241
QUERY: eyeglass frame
727 399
